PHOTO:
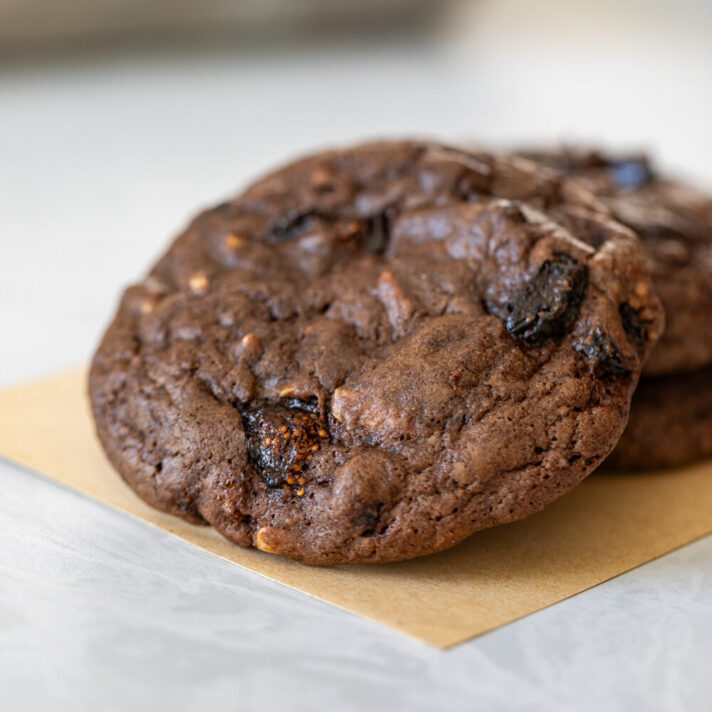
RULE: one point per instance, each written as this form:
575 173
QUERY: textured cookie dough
373 353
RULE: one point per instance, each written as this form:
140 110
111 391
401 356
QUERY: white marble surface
101 160
100 612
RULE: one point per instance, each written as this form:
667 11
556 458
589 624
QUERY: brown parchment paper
609 525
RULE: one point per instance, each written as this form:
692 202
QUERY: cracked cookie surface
674 221
373 353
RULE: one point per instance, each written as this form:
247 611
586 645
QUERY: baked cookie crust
375 352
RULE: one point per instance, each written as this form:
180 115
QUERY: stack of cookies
373 353
671 418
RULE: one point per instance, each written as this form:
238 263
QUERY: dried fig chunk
370 234
606 357
292 226
600 349
631 173
282 441
548 305
633 324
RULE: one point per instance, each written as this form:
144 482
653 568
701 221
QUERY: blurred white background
107 149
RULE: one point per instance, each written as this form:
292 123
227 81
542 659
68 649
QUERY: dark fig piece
291 227
282 442
631 173
371 234
633 325
599 349
549 303
376 237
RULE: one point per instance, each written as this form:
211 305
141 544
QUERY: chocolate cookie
375 352
670 422
675 223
